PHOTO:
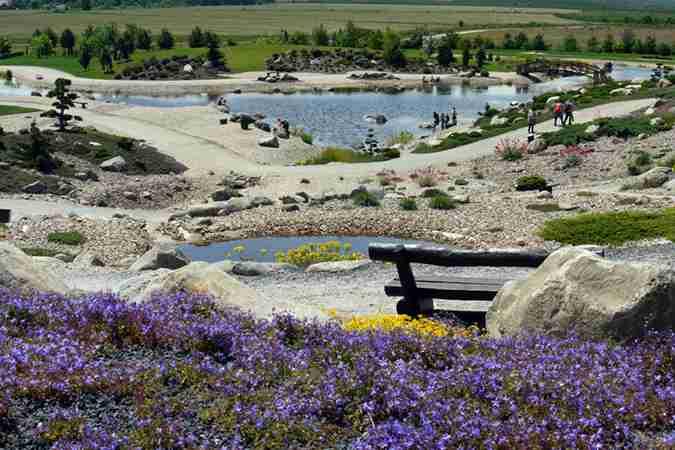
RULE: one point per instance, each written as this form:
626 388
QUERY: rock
552 100
37 187
206 209
290 199
290 208
261 201
426 125
263 126
226 265
19 272
304 196
656 122
670 185
88 259
161 256
234 205
461 198
116 164
130 195
304 181
544 195
592 129
5 165
579 292
379 119
536 146
225 194
86 176
565 206
271 142
653 178
146 195
649 111
621 91
339 266
253 269
498 121
65 257
664 83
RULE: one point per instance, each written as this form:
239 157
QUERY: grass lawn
613 228
6 110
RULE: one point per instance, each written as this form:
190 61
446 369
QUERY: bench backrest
442 256
5 215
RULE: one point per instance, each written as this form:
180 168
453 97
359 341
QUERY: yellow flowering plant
308 254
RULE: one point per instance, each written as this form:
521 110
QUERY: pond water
264 249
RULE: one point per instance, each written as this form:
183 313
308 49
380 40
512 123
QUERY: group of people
444 120
563 113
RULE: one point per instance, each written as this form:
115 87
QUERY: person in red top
557 114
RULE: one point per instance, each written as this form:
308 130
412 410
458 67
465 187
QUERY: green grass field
6 110
269 19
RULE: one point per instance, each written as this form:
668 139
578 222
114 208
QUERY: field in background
268 19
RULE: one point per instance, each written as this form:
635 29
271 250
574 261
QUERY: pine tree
445 57
165 40
466 57
64 101
85 56
68 41
391 49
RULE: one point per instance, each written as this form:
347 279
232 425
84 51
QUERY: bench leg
415 308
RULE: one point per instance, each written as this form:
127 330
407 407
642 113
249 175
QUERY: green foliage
544 207
365 199
6 110
445 55
320 36
38 153
613 228
408 204
640 162
41 46
343 155
404 137
531 183
569 135
433 192
442 202
461 182
39 251
165 40
196 38
5 46
66 237
391 49
391 153
423 147
64 101
307 138
68 41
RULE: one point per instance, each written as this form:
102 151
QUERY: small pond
264 249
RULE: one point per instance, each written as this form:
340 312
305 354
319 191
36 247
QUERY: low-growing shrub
442 202
308 254
39 251
408 204
544 207
461 182
511 149
639 163
343 155
423 147
126 144
404 138
571 135
427 177
612 228
433 192
572 161
531 183
365 199
391 153
66 237
398 322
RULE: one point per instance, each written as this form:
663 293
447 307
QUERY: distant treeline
110 4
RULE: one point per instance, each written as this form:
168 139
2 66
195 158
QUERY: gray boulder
261 201
222 195
498 121
577 291
88 259
37 187
235 205
536 146
271 142
339 266
161 256
116 164
254 269
19 272
206 209
651 179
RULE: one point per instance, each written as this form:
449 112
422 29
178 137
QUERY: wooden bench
467 297
82 104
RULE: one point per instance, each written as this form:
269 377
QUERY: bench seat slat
449 289
465 306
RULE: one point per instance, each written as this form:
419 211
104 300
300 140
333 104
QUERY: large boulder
19 272
37 187
339 266
116 164
161 256
536 146
271 142
576 291
196 278
254 269
653 178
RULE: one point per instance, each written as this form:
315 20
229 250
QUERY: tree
391 49
85 56
105 58
570 44
37 153
64 101
86 5
68 41
608 44
466 57
5 46
428 46
628 40
650 46
522 42
214 55
320 36
143 39
480 58
593 44
508 43
196 39
445 57
165 40
41 46
665 49
53 38
539 44
376 40
126 44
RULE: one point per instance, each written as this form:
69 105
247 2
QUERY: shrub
569 136
531 183
640 163
442 202
572 161
391 153
423 147
307 138
66 237
365 199
511 149
126 144
461 182
408 204
343 155
404 137
427 177
308 254
39 251
613 228
428 193
544 207
426 181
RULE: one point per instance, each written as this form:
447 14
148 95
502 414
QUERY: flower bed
178 373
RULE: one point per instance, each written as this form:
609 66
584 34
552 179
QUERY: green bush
307 138
441 202
404 137
613 228
126 144
39 251
366 199
429 193
343 155
391 153
408 204
423 147
640 163
626 127
66 237
461 182
570 135
531 183
544 207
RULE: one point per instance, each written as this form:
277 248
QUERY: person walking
454 117
531 121
557 114
569 113
436 119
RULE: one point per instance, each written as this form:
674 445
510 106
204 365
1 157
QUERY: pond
264 249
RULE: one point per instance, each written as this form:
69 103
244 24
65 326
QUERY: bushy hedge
177 372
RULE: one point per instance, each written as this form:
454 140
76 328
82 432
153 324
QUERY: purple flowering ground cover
176 373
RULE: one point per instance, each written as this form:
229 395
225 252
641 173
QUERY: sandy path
246 81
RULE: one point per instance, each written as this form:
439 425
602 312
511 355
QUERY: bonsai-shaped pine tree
37 152
64 101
